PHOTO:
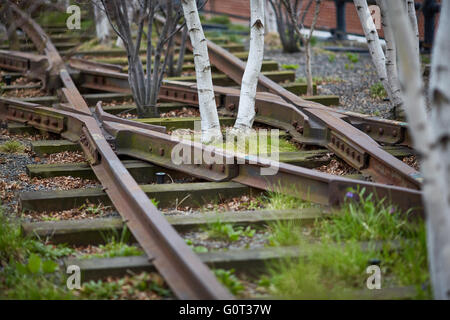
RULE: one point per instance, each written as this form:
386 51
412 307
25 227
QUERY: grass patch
334 266
116 246
228 232
352 57
276 200
229 280
12 146
290 66
320 80
129 287
28 268
377 91
331 57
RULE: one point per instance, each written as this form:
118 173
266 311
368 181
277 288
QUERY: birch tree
431 135
210 125
385 65
144 85
102 27
391 60
246 111
298 22
286 29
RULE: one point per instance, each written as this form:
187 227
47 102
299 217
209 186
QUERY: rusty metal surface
349 143
307 184
187 276
310 125
104 116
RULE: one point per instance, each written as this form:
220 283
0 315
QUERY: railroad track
91 127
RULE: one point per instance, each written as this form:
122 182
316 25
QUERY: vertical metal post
429 10
340 33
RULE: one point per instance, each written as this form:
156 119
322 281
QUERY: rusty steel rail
187 276
304 183
352 145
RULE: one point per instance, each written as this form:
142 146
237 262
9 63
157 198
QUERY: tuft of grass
227 232
349 66
334 267
196 249
229 280
365 219
327 273
377 91
276 200
125 287
331 57
28 267
290 66
12 146
352 57
284 233
115 249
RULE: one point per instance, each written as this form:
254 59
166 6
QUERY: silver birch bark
391 56
413 19
246 112
207 103
428 135
270 19
102 26
373 42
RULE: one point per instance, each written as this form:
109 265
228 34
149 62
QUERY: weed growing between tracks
12 146
334 267
28 268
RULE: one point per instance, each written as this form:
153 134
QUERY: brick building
240 10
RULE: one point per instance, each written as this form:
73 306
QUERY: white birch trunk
270 18
246 112
373 42
429 145
413 18
440 118
391 57
102 26
207 104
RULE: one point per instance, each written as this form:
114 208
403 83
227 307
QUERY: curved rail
187 276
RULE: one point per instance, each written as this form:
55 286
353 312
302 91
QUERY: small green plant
115 249
12 146
229 280
331 57
290 66
226 231
27 267
365 218
349 66
426 59
276 200
377 91
125 288
284 233
313 41
352 57
196 249
332 266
